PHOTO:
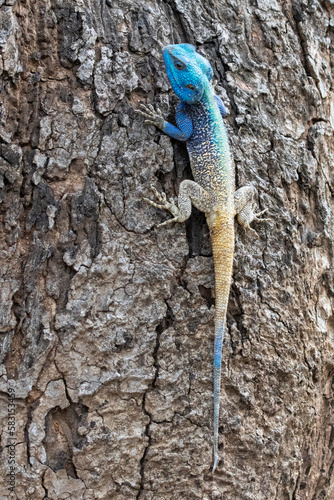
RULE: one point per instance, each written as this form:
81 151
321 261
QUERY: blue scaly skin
199 123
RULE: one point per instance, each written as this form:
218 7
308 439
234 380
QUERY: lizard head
188 72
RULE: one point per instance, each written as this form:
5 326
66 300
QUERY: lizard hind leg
244 207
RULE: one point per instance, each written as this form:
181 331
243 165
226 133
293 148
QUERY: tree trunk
107 321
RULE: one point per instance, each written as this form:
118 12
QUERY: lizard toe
169 221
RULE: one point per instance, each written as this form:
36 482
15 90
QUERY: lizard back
209 151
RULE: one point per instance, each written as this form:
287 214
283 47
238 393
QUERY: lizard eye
189 86
179 65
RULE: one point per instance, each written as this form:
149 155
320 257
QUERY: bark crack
165 323
43 485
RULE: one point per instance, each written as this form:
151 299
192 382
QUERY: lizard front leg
189 193
244 205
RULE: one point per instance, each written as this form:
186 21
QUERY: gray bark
106 321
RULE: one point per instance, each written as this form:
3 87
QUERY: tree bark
107 321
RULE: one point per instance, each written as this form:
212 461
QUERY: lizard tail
222 239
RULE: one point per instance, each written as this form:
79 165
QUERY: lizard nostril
189 86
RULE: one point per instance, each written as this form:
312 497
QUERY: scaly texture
199 122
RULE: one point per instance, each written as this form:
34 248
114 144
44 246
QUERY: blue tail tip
215 464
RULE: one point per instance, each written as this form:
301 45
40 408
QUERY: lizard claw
154 204
169 221
256 234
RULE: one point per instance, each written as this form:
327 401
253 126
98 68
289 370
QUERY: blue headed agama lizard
199 123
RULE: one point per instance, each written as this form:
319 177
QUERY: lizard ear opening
205 66
209 73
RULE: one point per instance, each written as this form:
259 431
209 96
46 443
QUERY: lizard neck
208 93
207 101
206 108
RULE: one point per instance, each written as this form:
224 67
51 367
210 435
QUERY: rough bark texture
107 322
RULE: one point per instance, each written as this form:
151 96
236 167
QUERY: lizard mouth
167 54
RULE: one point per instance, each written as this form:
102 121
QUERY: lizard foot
247 215
152 116
165 204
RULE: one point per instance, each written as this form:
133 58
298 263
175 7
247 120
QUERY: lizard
199 120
